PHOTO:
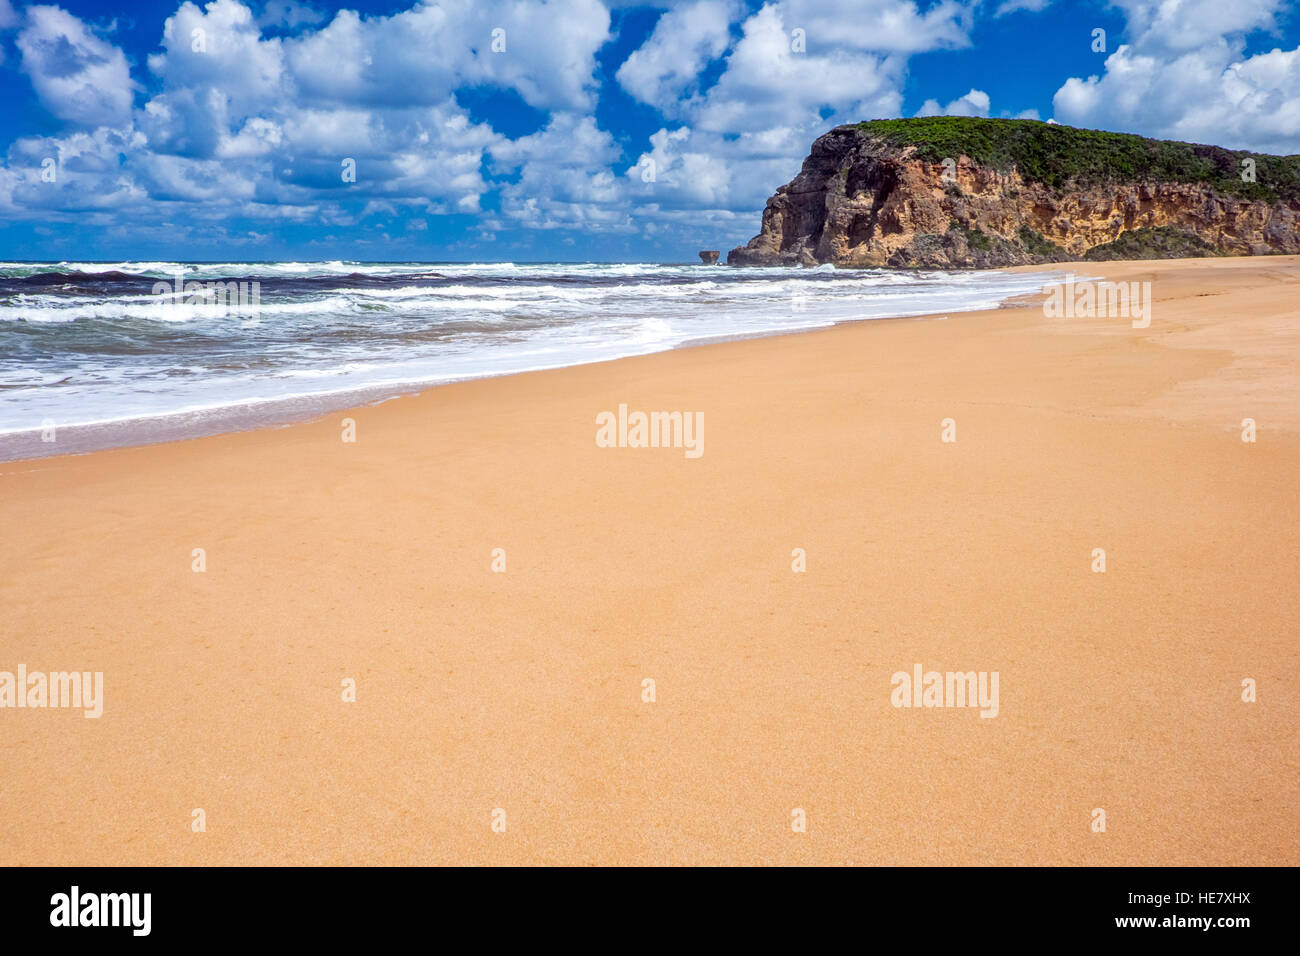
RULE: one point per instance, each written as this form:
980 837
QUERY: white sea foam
102 349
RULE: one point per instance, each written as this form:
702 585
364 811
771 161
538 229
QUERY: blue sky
554 129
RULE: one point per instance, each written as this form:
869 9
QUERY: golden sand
523 691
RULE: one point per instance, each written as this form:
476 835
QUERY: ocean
104 354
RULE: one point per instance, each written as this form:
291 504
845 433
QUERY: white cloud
767 84
221 47
1014 6
252 115
684 41
890 26
230 132
1186 76
974 103
256 122
1184 24
793 70
257 137
670 176
563 176
423 54
87 173
288 14
77 76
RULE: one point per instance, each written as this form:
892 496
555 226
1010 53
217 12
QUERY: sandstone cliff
945 192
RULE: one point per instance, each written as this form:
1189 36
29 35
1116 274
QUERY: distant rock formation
710 256
955 192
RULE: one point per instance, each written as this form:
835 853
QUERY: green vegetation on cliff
1039 245
1162 242
1059 156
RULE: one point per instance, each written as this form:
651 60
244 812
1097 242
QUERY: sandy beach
522 691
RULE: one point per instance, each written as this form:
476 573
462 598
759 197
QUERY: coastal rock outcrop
710 256
947 192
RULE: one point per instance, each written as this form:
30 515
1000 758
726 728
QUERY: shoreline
523 690
279 412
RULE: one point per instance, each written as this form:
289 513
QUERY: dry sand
523 690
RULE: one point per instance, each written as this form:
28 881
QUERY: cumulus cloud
252 110
1184 24
254 114
671 175
545 51
245 123
563 176
974 103
220 47
892 26
794 64
1186 76
790 71
76 75
768 82
288 14
684 40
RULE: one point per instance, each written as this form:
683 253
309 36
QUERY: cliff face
865 199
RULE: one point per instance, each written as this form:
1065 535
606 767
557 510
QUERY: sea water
100 354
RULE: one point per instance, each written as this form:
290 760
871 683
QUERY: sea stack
949 192
710 256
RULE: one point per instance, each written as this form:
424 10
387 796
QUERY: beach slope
519 697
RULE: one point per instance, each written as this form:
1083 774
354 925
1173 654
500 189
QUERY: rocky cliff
948 192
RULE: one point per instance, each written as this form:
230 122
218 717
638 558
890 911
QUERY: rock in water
710 256
954 192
